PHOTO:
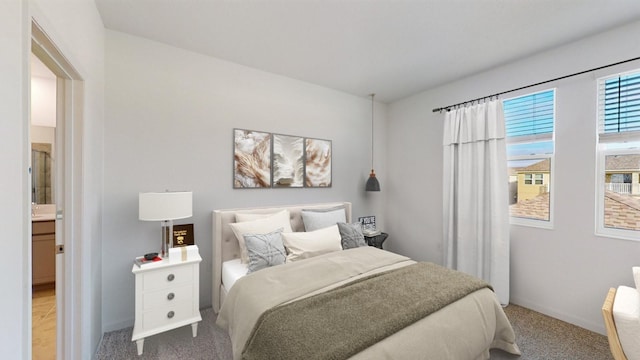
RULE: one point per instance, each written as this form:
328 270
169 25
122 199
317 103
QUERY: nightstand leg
140 344
194 329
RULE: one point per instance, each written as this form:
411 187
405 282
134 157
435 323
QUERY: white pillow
264 225
242 217
315 219
303 245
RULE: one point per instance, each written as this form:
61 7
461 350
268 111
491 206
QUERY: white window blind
530 117
619 106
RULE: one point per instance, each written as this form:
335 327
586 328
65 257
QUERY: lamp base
167 243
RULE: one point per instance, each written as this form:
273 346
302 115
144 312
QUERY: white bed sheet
232 270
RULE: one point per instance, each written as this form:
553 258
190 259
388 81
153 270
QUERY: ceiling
394 48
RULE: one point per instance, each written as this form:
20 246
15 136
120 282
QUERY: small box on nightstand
183 253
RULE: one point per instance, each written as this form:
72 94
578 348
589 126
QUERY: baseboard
595 327
95 352
45 286
117 326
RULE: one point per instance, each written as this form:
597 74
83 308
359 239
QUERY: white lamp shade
165 206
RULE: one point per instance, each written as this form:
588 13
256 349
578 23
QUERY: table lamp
165 207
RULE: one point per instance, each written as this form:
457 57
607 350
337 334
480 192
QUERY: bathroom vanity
43 250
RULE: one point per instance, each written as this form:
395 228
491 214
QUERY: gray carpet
541 337
538 336
212 343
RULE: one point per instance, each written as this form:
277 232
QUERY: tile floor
44 324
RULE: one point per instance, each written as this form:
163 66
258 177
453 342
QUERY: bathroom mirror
41 174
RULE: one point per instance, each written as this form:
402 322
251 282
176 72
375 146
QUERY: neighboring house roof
622 162
620 211
540 166
534 208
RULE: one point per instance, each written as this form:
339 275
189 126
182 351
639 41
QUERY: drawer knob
171 296
170 314
171 277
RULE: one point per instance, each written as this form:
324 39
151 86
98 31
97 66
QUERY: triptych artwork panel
265 160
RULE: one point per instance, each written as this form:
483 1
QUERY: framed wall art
251 159
266 160
288 161
317 163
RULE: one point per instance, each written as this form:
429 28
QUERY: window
539 179
618 200
619 178
529 179
529 122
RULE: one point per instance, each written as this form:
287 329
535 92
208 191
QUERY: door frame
68 193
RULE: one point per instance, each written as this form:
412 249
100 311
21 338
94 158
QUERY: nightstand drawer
170 295
167 277
167 315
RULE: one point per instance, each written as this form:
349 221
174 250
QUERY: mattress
232 270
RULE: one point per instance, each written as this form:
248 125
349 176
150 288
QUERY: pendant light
372 182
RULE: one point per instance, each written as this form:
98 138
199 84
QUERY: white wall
43 134
43 101
169 120
80 38
13 178
564 272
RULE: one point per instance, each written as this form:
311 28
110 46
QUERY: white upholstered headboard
225 244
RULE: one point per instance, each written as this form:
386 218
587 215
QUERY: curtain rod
448 107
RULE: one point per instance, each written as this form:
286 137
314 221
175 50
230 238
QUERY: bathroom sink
43 212
43 217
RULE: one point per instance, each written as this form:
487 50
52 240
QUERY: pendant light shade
372 182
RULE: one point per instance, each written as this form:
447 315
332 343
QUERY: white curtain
476 214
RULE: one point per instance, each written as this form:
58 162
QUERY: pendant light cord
372 95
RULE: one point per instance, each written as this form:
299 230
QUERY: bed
467 328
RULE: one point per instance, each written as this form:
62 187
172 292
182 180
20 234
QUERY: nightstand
376 240
167 297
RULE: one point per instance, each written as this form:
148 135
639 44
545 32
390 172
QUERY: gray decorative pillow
351 235
321 218
265 250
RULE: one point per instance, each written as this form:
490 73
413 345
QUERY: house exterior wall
634 175
529 191
633 187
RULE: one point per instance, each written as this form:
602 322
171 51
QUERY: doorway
42 137
66 193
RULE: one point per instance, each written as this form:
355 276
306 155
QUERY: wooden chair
612 333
